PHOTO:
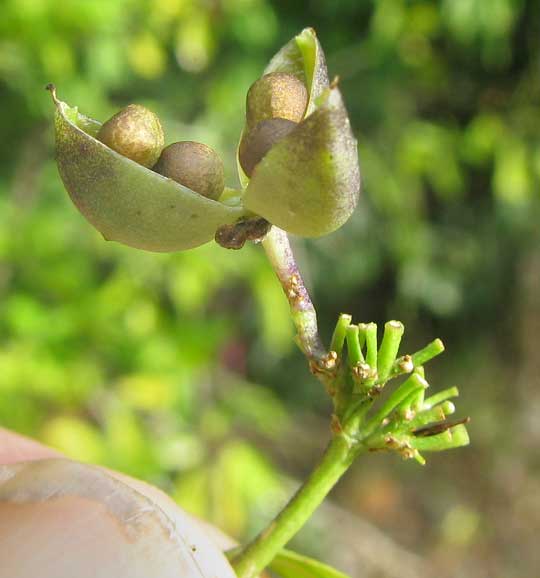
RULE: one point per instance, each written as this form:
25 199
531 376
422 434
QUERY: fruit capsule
127 202
308 182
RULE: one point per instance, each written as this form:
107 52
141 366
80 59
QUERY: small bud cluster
406 421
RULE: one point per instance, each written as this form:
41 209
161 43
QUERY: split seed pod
308 183
135 132
125 201
193 165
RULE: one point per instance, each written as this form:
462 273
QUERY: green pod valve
125 201
303 56
309 182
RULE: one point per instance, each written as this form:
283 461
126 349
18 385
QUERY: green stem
340 332
393 332
353 346
340 453
440 397
261 551
279 253
371 345
429 352
413 383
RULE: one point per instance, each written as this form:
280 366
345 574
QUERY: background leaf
81 320
288 564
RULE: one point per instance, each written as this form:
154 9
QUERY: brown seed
194 165
135 132
257 142
276 95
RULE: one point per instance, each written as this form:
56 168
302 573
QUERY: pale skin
58 517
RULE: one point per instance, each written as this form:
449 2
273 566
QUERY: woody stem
279 253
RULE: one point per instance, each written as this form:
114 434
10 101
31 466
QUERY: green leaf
308 183
288 564
127 202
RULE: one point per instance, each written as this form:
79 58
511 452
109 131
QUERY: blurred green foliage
180 369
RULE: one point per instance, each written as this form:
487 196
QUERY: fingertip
60 519
17 448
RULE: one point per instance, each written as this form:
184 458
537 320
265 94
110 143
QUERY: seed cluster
136 133
275 104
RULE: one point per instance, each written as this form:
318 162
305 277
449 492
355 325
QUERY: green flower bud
135 132
276 95
259 140
193 165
